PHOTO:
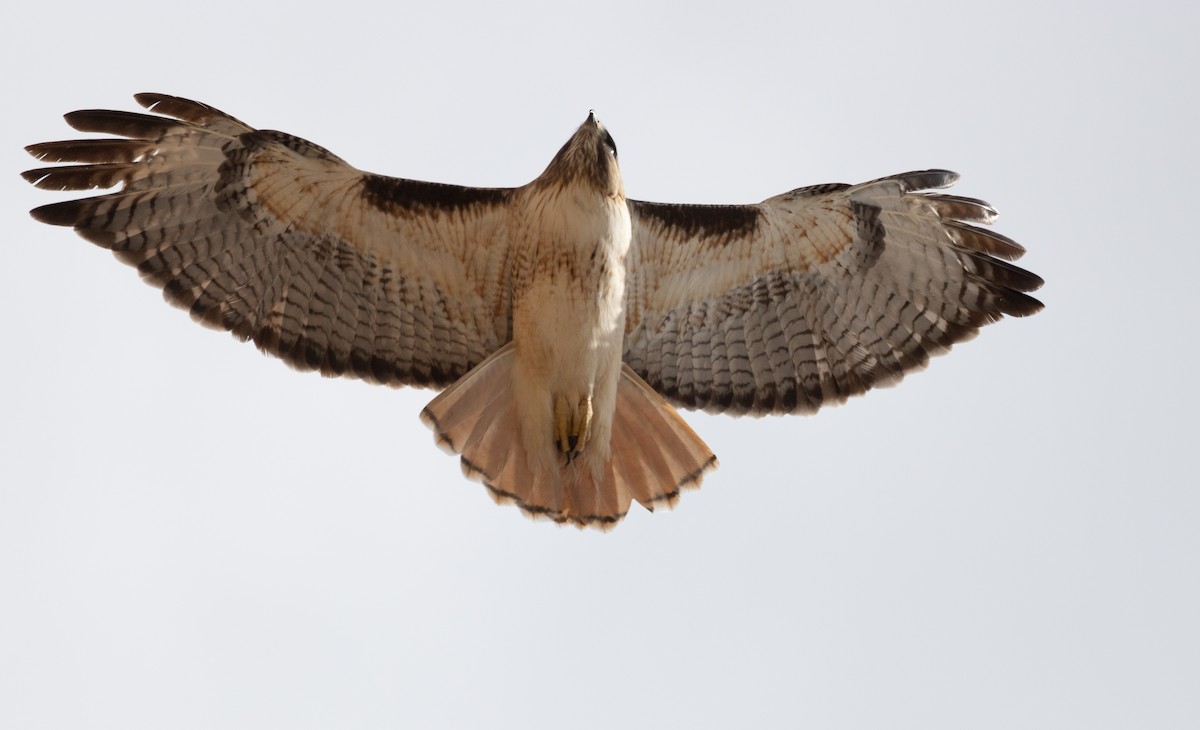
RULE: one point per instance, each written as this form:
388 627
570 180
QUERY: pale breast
569 286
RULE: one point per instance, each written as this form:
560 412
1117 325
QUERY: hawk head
590 155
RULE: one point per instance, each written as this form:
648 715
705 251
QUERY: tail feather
652 454
456 414
651 441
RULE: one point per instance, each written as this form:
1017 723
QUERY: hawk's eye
608 140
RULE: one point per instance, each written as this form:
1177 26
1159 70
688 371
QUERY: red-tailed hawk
563 320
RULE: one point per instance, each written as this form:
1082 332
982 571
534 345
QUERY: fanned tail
653 454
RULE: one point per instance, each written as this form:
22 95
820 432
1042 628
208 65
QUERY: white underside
569 322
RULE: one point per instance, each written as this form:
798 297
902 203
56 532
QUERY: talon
562 425
583 429
572 426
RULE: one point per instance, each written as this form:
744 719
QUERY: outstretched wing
279 241
814 295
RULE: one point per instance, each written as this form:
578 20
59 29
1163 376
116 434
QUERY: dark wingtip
80 117
55 214
187 110
149 98
164 103
120 123
1016 304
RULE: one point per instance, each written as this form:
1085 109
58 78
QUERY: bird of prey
564 321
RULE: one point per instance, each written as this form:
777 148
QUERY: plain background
194 536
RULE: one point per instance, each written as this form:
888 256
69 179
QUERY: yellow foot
572 426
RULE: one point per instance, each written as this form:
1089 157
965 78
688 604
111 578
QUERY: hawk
564 321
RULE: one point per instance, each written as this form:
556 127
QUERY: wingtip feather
924 179
55 214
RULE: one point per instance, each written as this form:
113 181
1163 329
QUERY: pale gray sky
194 536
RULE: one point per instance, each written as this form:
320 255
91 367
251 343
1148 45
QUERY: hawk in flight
564 321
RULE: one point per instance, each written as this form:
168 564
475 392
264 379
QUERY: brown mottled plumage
563 319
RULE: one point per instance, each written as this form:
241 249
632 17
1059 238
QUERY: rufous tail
653 454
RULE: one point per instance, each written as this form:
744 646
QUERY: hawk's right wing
279 241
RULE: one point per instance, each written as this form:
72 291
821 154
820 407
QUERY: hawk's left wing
814 295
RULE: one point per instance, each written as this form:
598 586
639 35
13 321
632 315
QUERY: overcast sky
193 535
